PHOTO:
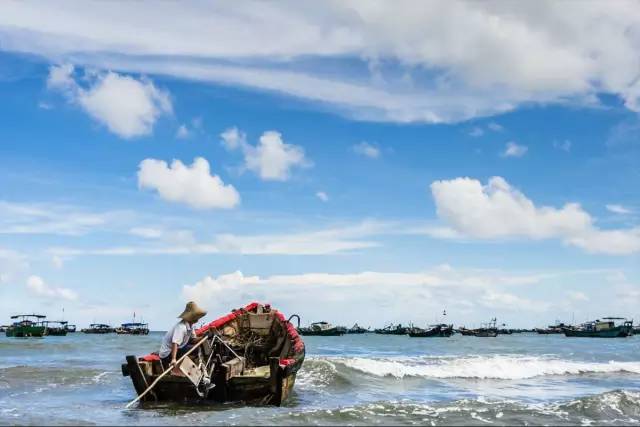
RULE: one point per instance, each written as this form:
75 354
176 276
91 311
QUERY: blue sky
407 181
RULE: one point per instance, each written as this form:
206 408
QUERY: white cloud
431 290
146 232
51 218
233 139
326 241
193 185
514 150
126 106
491 58
186 131
498 210
322 196
271 159
38 287
368 150
619 209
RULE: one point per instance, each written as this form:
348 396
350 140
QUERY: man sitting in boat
179 339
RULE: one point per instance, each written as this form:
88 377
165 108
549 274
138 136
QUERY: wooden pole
141 395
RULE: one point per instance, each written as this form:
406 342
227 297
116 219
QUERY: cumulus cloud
322 196
491 57
514 150
367 150
193 185
497 210
38 287
431 290
126 106
271 159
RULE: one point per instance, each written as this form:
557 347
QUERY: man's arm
174 353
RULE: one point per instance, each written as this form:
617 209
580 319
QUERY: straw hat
192 313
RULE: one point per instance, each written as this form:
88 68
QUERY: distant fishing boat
98 328
608 327
558 328
71 328
250 355
322 329
466 332
392 330
356 329
441 330
488 330
135 328
56 327
30 325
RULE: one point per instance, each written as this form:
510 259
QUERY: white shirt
179 334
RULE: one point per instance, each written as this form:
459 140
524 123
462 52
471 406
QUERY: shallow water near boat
352 379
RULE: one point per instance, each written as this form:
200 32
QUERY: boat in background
608 327
357 329
71 328
392 330
441 330
558 328
56 327
98 328
251 355
134 328
488 330
322 329
30 325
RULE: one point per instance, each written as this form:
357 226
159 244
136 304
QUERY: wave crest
482 367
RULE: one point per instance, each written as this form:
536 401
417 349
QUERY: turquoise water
361 379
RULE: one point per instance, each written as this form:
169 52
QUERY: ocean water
354 379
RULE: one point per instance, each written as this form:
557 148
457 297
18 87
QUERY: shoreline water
361 379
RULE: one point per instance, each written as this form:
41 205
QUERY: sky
347 161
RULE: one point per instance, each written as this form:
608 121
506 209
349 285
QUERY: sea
368 379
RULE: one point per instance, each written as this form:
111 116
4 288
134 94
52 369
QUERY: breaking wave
499 367
616 407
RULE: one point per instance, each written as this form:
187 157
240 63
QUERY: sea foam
482 367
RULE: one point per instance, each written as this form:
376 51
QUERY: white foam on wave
483 367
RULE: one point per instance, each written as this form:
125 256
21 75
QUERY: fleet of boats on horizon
35 325
606 327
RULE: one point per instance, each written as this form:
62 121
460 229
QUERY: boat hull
617 332
25 331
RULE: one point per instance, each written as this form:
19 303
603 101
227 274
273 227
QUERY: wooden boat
98 328
441 330
71 328
356 329
251 355
133 329
466 332
605 328
488 330
30 325
55 327
392 330
322 329
558 328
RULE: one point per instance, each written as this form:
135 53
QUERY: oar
163 374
